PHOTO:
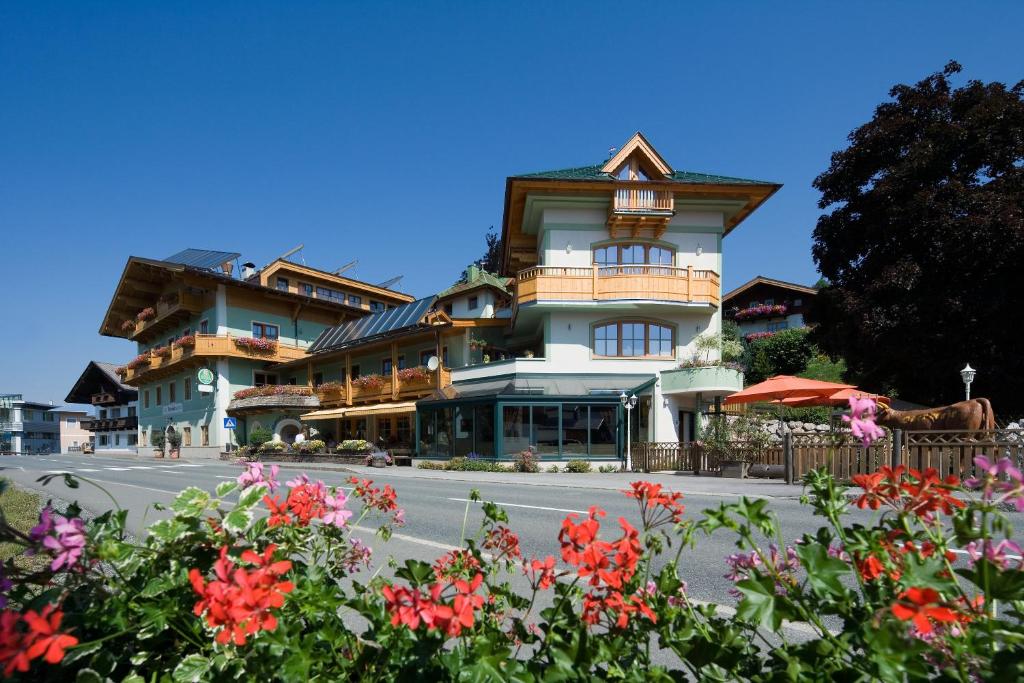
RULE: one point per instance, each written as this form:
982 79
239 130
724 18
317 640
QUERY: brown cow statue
965 416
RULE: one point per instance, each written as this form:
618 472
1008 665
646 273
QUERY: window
131 409
444 356
798 302
752 304
401 361
188 389
384 428
145 398
330 294
282 284
72 420
769 302
355 371
775 327
307 289
385 367
117 439
425 356
204 327
448 308
115 412
260 379
354 300
292 381
103 440
376 306
103 413
187 331
158 400
265 331
473 303
186 436
133 439
204 435
634 338
318 379
613 256
172 390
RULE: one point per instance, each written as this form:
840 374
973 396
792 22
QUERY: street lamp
628 402
968 376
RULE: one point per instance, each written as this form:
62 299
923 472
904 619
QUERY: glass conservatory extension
562 418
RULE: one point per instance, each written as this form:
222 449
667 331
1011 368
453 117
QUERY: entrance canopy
783 387
362 411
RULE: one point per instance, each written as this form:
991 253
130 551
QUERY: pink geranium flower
337 514
68 544
254 476
862 420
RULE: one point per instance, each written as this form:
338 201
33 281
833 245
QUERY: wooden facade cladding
625 282
171 309
392 389
206 346
295 274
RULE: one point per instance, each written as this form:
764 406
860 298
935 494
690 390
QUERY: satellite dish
432 363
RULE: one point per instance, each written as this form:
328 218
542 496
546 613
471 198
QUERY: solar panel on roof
397 318
202 258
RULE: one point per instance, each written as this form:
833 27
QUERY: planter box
735 469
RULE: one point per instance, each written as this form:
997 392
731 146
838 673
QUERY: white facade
117 440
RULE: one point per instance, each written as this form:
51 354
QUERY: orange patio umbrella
839 398
782 387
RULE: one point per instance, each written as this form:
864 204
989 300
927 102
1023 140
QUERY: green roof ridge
594 173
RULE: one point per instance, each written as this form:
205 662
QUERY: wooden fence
843 455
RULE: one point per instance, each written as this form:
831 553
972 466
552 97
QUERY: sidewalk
682 482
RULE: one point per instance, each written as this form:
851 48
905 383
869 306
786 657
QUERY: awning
360 411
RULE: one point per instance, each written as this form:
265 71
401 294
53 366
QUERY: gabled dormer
637 160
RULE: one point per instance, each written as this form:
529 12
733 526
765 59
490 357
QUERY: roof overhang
761 280
360 411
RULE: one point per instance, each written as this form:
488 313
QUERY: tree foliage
784 353
491 259
922 243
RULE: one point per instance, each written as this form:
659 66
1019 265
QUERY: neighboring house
609 273
27 426
764 305
115 427
73 435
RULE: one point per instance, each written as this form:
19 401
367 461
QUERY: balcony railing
385 392
103 399
111 424
620 282
213 345
636 198
184 305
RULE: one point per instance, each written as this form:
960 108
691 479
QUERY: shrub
174 439
354 446
553 469
273 447
460 464
431 465
311 446
527 460
784 353
604 469
157 438
577 466
259 436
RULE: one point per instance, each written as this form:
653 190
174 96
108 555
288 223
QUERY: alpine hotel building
609 273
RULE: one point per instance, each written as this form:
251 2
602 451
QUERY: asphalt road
434 508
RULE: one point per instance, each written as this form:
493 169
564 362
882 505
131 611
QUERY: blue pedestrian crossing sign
230 423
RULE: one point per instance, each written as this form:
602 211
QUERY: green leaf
226 487
415 572
191 669
191 502
238 520
823 572
758 603
157 585
133 678
88 676
168 530
250 496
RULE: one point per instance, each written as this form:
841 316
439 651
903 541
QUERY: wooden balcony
111 424
103 399
639 210
625 283
169 314
391 390
208 346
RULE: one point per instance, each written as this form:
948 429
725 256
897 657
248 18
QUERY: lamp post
968 376
628 402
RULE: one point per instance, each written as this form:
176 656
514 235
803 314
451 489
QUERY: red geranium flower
922 605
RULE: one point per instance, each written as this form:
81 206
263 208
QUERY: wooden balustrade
640 197
407 389
213 345
628 281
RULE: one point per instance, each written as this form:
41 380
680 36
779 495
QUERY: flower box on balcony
162 351
416 375
128 326
187 341
146 314
274 390
256 344
762 311
369 382
141 360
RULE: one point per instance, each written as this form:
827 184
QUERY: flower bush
370 382
146 314
274 390
762 311
354 446
256 344
527 460
272 447
331 387
272 588
311 446
128 325
577 466
415 374
755 336
185 341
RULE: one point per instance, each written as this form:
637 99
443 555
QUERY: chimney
227 268
248 270
472 273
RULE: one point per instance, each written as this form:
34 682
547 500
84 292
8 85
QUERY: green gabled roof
594 173
481 278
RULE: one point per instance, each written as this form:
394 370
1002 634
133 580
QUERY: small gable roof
96 378
762 280
477 278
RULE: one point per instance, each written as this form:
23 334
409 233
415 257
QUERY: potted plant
157 439
174 441
528 353
487 358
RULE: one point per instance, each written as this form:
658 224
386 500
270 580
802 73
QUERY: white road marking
958 551
140 467
86 469
117 469
411 539
530 507
188 464
59 472
221 476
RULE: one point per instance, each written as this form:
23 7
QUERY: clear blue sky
384 131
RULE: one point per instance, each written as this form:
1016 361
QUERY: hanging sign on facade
205 376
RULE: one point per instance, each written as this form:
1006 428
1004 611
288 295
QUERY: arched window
634 339
615 259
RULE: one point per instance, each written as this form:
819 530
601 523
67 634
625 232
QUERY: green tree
784 353
922 242
823 368
491 260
